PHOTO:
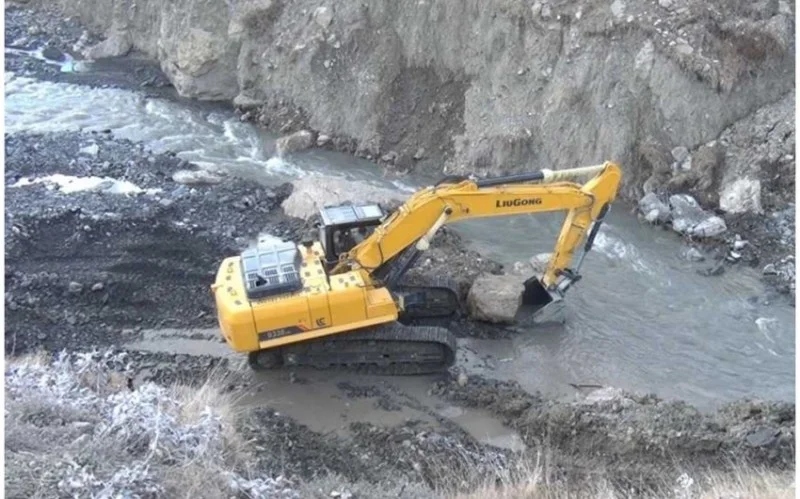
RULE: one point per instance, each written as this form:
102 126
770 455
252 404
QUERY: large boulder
495 298
297 141
740 196
199 63
653 209
690 219
313 192
539 263
116 44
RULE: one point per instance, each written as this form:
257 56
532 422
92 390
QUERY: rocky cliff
487 86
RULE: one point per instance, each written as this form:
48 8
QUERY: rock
711 227
690 219
653 209
53 54
769 269
606 394
179 192
684 48
693 254
323 16
742 195
680 154
666 4
117 44
522 268
495 298
419 154
98 286
618 8
199 63
762 437
91 150
75 287
652 184
312 192
389 157
539 262
547 11
196 177
323 140
297 141
463 379
80 45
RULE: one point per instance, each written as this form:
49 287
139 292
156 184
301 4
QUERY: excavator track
388 349
428 298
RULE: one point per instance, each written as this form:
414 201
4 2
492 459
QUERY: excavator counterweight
344 300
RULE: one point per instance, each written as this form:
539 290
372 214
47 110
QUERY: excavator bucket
539 305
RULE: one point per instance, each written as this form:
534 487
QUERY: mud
83 268
413 451
635 440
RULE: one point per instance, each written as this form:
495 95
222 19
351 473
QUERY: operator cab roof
351 214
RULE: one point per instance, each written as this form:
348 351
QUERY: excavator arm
396 244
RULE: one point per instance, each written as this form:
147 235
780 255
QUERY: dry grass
739 484
75 425
748 484
70 429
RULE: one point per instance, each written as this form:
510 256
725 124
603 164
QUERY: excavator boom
426 211
329 303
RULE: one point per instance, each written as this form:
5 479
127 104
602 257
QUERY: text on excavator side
517 202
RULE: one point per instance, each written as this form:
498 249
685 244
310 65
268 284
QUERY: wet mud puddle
328 402
640 319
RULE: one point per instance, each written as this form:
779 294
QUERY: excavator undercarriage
388 349
417 343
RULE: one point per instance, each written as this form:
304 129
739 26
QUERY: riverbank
196 438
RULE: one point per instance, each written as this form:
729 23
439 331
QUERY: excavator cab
346 225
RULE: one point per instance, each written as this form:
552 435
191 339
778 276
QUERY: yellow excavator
344 301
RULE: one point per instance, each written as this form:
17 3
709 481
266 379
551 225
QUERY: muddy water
327 402
641 318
